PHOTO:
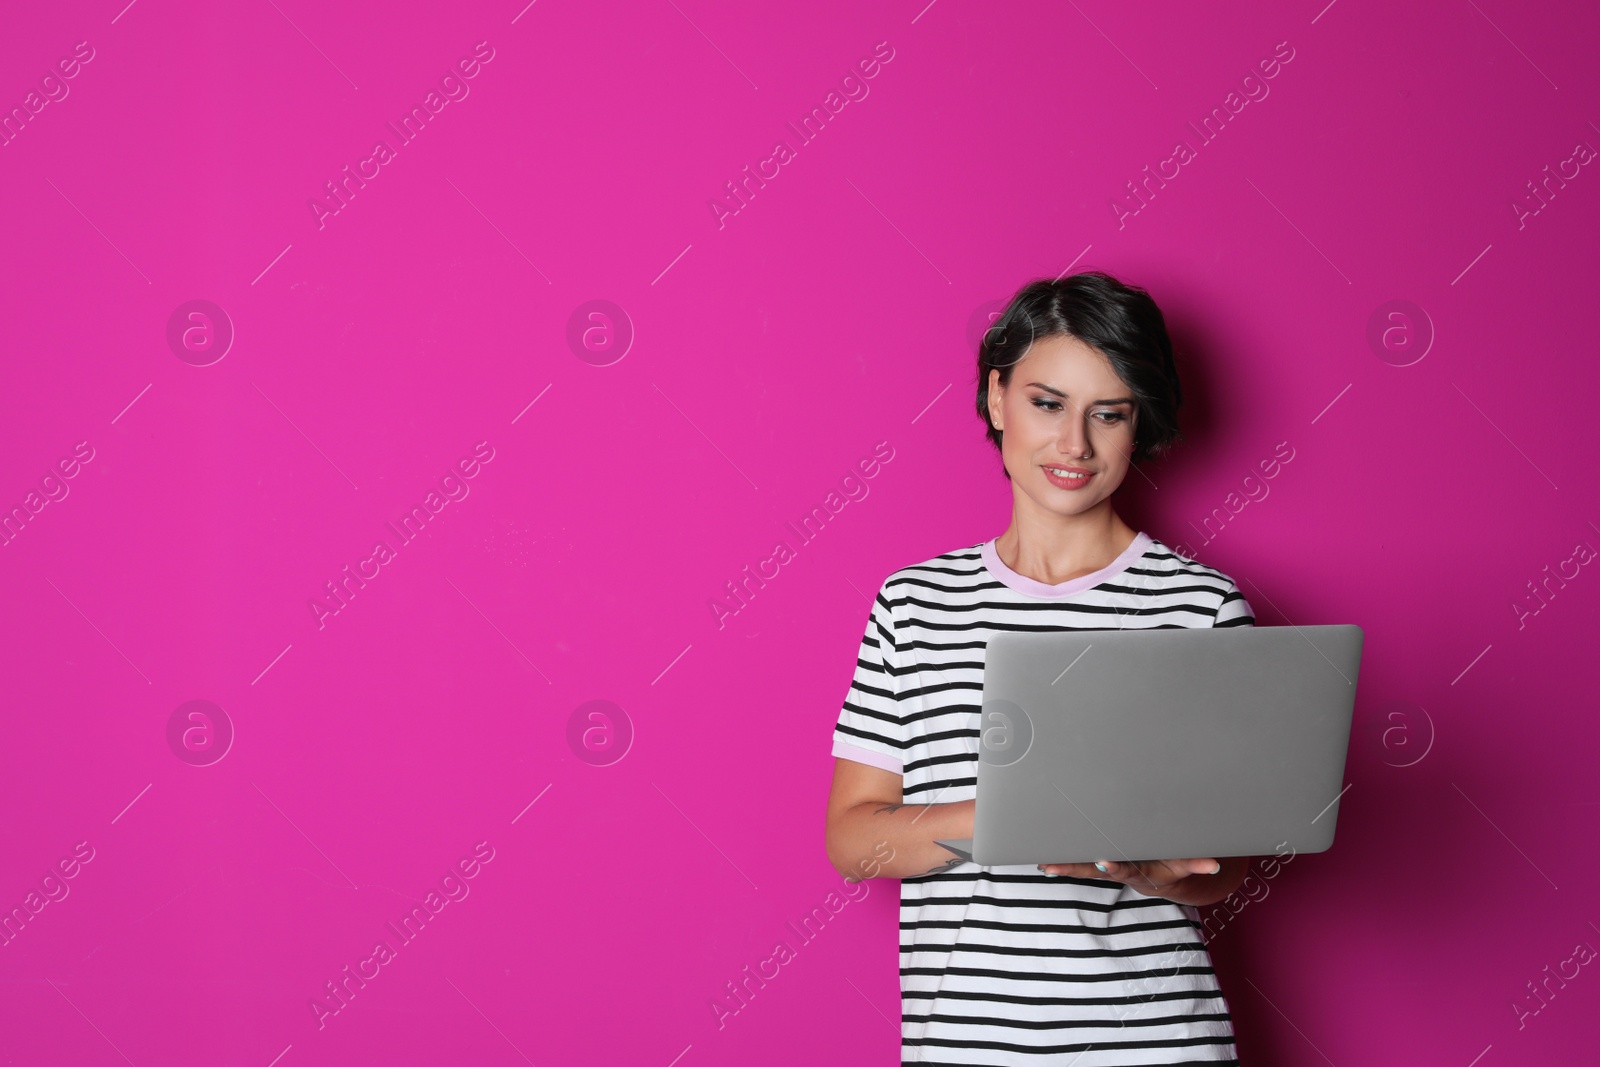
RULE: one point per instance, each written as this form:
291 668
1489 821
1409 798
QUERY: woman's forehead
1066 363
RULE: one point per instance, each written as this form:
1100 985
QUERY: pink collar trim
1022 584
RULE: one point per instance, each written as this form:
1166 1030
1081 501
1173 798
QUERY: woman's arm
871 834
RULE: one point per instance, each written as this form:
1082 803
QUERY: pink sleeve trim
845 750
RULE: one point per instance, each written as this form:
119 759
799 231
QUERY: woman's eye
1108 418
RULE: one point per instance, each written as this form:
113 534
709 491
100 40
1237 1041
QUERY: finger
1132 870
1071 870
1196 866
1129 871
1146 873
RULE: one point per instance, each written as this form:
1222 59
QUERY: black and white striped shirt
1006 965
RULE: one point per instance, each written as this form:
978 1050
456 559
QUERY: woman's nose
1074 441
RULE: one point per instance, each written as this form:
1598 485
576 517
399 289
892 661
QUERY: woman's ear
995 398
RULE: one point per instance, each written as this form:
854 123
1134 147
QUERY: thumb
1205 866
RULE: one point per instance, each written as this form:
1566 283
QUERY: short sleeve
870 729
1234 609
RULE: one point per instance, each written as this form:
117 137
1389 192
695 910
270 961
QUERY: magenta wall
1380 263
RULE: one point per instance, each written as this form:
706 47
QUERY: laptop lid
1161 744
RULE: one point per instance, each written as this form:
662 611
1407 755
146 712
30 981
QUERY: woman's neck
1057 550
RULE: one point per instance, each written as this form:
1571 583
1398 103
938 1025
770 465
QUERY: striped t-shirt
1007 965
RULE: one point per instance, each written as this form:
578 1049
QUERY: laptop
1161 744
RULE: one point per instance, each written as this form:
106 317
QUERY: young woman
1075 963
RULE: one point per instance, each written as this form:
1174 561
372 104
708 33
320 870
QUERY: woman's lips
1069 483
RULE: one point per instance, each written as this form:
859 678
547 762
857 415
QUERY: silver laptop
1161 744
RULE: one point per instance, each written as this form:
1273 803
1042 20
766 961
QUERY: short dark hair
1121 321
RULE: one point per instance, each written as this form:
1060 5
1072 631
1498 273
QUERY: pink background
833 311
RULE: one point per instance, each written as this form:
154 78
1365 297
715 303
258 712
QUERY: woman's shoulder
962 562
1175 560
1189 572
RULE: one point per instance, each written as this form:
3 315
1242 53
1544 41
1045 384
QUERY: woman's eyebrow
1062 395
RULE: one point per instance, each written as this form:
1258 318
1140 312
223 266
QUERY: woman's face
1064 410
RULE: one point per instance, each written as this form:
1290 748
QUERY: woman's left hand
1153 878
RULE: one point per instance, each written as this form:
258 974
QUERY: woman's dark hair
1121 321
